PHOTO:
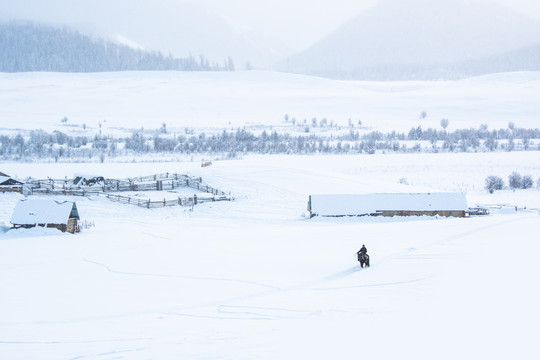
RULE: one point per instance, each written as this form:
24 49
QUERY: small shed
398 204
47 213
7 183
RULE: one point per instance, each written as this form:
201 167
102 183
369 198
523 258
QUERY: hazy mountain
188 29
169 26
421 39
523 59
33 47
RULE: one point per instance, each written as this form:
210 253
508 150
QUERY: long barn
398 204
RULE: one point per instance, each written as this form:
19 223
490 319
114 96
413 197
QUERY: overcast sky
296 23
301 22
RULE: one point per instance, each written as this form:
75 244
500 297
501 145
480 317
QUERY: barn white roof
353 204
43 211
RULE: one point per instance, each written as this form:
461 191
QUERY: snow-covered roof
43 211
355 204
6 180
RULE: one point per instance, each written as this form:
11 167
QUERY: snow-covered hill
234 99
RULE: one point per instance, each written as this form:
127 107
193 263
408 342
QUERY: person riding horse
363 257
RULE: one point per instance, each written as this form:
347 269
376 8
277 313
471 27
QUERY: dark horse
363 259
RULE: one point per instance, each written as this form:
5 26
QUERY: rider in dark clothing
362 251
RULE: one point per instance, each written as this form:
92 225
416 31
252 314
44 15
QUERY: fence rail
67 191
158 182
180 201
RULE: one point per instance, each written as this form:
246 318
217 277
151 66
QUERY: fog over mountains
424 39
171 27
28 47
188 29
392 40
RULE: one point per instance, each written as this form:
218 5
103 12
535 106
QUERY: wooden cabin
63 216
398 204
8 184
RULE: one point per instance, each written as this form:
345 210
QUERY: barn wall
61 227
11 188
72 226
422 213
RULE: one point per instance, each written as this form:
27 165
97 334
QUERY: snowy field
113 101
256 279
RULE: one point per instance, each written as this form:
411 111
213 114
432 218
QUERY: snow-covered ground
256 279
113 101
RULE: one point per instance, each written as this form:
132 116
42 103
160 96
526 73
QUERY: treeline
33 47
515 181
58 145
463 139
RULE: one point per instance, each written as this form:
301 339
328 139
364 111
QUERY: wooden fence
65 191
180 201
158 182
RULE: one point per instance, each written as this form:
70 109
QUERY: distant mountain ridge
34 47
423 40
182 29
185 29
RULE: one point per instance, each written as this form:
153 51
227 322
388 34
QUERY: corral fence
180 201
106 187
